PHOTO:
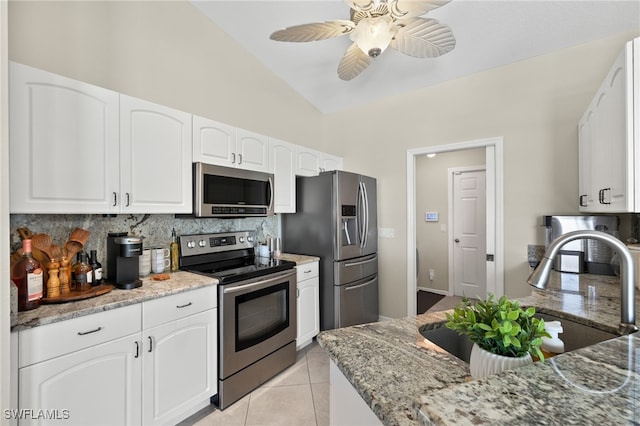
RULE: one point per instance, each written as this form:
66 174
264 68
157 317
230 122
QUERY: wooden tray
79 295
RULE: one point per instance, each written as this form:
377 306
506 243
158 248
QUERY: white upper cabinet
310 162
155 158
79 148
282 159
63 147
607 143
223 145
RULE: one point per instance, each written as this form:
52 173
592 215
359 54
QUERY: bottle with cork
27 275
174 251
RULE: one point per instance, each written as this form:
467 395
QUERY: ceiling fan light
373 34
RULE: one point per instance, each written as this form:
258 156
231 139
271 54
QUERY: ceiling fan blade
314 31
353 63
411 8
423 38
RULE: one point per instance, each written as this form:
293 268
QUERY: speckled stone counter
299 259
406 380
150 289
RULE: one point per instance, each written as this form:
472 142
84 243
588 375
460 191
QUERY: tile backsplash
154 228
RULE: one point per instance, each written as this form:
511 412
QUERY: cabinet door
155 158
213 142
63 147
95 386
180 368
331 162
308 311
307 162
586 190
282 159
252 151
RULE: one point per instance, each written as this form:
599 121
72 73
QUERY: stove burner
233 261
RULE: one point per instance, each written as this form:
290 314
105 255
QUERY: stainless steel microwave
227 192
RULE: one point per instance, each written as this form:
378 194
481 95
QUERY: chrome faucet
540 276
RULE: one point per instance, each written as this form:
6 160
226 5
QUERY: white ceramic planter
484 363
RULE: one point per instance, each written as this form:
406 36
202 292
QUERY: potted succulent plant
504 334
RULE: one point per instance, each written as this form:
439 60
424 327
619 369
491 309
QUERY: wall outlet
432 274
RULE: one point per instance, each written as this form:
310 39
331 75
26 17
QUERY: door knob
456 240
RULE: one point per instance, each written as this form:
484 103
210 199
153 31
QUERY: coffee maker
122 260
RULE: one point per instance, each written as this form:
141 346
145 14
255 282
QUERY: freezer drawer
348 271
357 303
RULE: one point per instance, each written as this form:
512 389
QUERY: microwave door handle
270 193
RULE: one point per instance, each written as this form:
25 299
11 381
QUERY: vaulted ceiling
488 33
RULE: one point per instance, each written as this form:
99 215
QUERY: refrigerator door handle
366 212
347 288
362 262
361 215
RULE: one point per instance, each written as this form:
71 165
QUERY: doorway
467 262
494 263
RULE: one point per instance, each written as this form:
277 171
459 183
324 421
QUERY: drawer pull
150 344
137 350
84 333
183 306
307 272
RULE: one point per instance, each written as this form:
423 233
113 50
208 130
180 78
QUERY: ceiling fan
375 25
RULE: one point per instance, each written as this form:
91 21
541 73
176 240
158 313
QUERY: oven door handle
257 285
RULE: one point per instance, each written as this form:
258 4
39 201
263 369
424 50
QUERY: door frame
450 229
494 153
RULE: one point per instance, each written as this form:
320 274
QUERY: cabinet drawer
307 270
170 308
52 340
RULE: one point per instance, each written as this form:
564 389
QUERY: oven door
257 317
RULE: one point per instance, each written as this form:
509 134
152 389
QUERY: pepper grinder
65 275
53 282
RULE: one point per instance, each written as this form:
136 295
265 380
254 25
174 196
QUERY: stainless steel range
256 309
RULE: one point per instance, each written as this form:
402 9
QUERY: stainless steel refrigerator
336 220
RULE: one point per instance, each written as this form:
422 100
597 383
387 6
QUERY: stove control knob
250 238
242 239
202 243
191 244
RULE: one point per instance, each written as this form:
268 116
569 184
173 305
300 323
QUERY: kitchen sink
574 336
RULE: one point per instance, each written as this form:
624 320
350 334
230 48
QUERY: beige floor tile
314 347
320 394
235 415
282 405
297 374
318 363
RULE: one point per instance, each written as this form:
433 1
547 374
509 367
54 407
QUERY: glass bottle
81 273
28 277
173 248
97 268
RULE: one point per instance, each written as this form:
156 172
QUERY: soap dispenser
552 345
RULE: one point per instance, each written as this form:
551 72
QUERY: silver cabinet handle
84 333
128 199
183 306
233 158
137 350
150 344
115 199
239 158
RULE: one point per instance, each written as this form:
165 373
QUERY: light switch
386 233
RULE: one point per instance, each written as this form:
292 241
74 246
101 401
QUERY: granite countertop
299 259
49 313
406 380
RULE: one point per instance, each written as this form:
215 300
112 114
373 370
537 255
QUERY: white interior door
469 269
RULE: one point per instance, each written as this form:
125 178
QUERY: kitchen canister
160 260
144 263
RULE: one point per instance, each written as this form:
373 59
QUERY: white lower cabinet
308 303
99 385
106 369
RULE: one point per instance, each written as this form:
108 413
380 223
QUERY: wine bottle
28 277
97 268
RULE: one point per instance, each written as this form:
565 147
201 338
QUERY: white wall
163 51
4 216
432 194
534 104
